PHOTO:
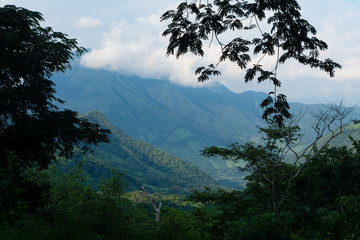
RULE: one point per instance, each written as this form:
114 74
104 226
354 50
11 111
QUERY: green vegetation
322 203
350 130
291 192
73 210
143 164
177 120
32 126
33 130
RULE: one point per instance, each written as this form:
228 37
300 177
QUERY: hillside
179 120
142 163
343 139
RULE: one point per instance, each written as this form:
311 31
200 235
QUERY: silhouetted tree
31 124
263 28
33 129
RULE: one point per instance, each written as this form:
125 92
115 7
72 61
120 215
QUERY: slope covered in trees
175 119
179 120
144 164
351 130
322 203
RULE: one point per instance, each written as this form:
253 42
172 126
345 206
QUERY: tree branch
156 209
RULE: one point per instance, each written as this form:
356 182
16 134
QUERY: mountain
343 139
142 163
159 112
179 120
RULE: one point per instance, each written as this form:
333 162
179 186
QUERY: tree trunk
156 209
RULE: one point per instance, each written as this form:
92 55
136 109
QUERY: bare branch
156 209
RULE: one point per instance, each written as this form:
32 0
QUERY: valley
178 120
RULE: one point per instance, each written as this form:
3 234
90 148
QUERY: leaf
266 102
275 81
251 72
205 73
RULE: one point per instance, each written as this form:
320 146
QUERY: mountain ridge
176 119
144 164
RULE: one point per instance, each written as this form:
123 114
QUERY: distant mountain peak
176 119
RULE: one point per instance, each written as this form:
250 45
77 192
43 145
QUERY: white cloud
137 47
4 2
88 22
134 45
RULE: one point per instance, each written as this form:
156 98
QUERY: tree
156 209
328 191
33 129
273 165
31 124
284 35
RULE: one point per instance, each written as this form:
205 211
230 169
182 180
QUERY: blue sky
125 36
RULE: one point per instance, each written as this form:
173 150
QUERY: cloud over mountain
125 36
138 48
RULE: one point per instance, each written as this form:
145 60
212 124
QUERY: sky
125 36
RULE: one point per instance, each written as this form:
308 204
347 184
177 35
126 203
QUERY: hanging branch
289 36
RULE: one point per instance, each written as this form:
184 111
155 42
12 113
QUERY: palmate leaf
275 81
236 25
265 75
276 109
193 8
278 113
225 8
267 102
188 42
236 51
265 45
251 72
329 66
205 73
168 14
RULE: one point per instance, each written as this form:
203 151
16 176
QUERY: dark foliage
33 130
323 203
31 125
289 37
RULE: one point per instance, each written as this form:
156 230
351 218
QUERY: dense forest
49 180
322 203
142 163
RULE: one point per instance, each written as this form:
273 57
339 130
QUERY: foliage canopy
33 129
31 124
280 33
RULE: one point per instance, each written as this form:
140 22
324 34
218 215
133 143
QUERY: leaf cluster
289 37
31 124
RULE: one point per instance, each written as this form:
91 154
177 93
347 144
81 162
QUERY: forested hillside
179 120
351 130
143 164
175 119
